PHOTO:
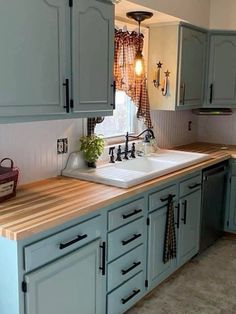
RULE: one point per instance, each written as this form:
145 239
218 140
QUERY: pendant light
139 16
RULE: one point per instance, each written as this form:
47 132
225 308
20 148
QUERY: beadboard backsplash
33 146
217 129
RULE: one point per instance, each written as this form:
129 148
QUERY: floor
205 285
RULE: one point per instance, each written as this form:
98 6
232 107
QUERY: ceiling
125 6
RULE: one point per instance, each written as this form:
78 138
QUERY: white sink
134 171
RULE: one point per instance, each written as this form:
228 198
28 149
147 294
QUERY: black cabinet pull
211 93
135 291
135 236
126 271
193 186
114 95
185 212
103 267
136 211
178 216
164 199
77 239
183 99
67 86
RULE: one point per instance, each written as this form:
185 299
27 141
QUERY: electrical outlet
62 146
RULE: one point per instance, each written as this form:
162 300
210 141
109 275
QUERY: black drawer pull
77 239
185 212
164 199
193 186
103 267
136 211
135 291
178 216
135 236
126 271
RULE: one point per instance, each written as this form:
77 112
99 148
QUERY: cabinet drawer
233 167
159 198
125 214
125 267
190 185
125 296
125 239
61 243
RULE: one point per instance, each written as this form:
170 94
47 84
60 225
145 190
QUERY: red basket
8 180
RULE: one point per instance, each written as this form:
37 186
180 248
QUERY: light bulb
139 64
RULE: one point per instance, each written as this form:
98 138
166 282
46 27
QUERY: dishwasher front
213 203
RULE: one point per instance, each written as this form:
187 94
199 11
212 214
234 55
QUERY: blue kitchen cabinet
232 204
189 230
92 57
71 284
34 58
221 89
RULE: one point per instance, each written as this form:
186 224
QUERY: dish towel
170 238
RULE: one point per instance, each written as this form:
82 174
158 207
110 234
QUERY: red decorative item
8 180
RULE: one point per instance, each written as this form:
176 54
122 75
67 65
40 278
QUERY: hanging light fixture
139 16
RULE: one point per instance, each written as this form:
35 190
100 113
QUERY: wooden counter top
48 203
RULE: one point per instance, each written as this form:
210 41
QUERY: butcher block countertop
42 205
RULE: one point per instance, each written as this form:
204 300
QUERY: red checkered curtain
126 46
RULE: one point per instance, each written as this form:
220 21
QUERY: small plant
92 147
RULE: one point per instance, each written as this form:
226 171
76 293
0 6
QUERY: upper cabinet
34 57
221 89
92 51
182 51
56 59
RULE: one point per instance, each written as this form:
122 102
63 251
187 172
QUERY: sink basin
134 171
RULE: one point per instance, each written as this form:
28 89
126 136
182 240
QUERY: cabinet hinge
70 3
230 179
148 221
71 104
146 283
227 223
24 286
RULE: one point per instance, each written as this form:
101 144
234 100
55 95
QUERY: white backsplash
217 129
33 146
171 128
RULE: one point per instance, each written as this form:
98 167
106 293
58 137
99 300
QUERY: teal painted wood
232 204
190 185
192 66
34 58
92 56
9 272
72 285
221 89
188 238
157 270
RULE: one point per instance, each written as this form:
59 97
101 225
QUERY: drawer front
160 198
233 167
190 185
125 296
125 267
125 239
48 249
125 214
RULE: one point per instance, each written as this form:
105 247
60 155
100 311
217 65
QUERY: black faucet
148 137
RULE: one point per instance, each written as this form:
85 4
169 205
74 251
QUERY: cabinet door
92 55
189 227
72 284
222 71
157 270
232 204
192 66
33 57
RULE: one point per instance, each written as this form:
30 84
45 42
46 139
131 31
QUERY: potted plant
92 147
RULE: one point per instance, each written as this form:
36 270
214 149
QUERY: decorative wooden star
159 64
167 73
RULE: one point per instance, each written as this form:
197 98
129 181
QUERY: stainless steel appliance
213 203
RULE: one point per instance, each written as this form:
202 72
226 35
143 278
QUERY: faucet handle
132 153
111 153
118 157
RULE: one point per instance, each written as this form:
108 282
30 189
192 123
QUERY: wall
223 14
194 11
220 129
171 128
33 146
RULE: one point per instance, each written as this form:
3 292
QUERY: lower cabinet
232 204
71 284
